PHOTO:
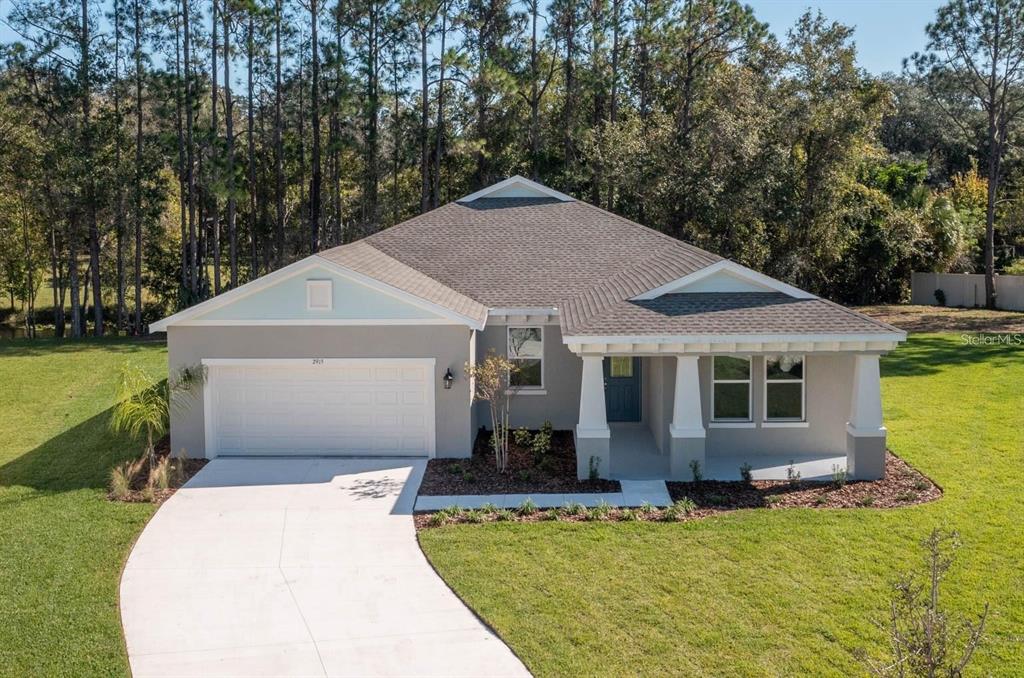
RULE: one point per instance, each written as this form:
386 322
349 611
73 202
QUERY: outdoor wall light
448 378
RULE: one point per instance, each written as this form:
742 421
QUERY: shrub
772 500
468 476
746 472
438 519
679 509
522 437
523 475
695 470
122 477
647 508
504 515
717 499
1015 267
551 514
906 497
475 516
595 467
820 500
629 515
940 297
574 508
455 469
600 512
866 501
489 508
792 475
540 446
923 638
921 485
839 475
528 507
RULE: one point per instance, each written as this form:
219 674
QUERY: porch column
686 431
865 434
593 437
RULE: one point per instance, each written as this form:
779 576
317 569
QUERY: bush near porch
764 592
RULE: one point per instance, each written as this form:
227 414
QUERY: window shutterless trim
785 422
749 381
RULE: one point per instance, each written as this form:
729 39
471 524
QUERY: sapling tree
924 640
144 405
491 380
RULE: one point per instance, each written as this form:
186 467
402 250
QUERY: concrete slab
297 567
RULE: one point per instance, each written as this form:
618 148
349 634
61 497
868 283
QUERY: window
730 396
526 349
319 295
784 388
620 366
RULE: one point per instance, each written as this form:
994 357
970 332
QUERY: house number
318 361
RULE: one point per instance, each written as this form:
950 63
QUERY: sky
886 31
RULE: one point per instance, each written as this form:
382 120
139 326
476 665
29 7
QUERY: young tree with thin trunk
975 59
213 151
229 159
278 137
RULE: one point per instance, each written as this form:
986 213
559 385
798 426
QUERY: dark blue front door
622 388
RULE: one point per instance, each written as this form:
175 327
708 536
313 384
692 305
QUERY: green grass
62 544
775 593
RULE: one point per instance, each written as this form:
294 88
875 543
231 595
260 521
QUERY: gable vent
319 295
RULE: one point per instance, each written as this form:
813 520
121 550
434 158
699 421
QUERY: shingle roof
724 313
362 257
589 263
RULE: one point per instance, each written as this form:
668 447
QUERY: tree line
157 153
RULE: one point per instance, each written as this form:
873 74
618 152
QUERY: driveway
298 567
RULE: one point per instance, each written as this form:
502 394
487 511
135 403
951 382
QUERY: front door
622 388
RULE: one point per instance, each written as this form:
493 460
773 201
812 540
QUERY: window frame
749 381
511 358
784 421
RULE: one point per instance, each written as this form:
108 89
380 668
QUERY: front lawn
763 592
62 544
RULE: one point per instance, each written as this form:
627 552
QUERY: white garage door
320 407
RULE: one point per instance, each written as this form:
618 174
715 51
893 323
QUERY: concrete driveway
297 567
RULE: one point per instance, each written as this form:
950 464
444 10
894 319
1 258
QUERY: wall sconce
448 379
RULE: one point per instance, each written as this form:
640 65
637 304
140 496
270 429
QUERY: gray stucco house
654 352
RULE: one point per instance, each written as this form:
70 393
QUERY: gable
287 300
724 277
517 187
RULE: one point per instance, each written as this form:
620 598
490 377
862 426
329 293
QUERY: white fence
967 289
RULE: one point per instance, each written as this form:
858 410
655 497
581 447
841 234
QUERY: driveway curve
297 567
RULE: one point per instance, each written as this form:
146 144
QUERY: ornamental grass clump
679 510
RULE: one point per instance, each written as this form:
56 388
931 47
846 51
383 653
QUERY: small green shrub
921 485
717 499
679 509
504 515
468 477
540 446
438 519
820 500
595 467
746 472
866 501
940 297
839 475
792 475
528 507
698 476
772 500
906 497
489 508
574 508
600 512
629 515
524 475
551 514
647 508
455 469
522 437
474 516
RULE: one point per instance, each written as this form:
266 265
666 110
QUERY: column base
682 452
593 453
865 455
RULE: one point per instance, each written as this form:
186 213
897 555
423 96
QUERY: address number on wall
318 361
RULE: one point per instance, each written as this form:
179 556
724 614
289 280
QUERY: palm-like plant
144 405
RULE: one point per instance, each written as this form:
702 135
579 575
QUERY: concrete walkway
634 493
297 567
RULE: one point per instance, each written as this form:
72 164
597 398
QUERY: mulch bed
139 493
902 486
478 475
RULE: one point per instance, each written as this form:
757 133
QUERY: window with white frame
784 393
730 391
526 351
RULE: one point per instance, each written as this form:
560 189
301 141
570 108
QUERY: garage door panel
341 409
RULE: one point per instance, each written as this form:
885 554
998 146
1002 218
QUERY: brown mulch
478 475
139 493
902 485
914 318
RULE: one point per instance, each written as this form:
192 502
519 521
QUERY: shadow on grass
50 346
79 458
931 354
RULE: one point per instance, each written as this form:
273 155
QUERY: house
653 351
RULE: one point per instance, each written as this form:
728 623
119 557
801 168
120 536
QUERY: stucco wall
449 344
828 383
563 372
659 385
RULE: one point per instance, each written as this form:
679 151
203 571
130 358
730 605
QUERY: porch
838 424
635 456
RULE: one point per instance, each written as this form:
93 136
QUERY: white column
866 399
687 421
593 416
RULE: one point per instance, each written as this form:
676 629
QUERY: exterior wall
563 373
448 344
967 289
827 402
